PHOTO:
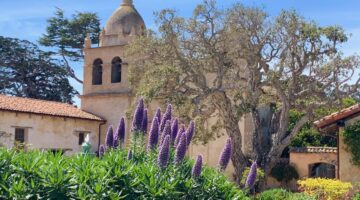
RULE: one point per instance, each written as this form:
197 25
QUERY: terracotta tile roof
334 117
42 107
313 149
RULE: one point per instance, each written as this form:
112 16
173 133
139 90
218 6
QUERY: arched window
116 70
322 170
97 72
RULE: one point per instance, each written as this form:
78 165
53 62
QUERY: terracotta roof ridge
42 100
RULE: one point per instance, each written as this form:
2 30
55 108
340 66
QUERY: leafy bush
146 172
277 194
352 141
35 175
321 188
284 172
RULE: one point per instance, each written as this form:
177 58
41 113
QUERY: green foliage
352 141
277 194
322 188
67 35
284 172
35 175
27 71
260 175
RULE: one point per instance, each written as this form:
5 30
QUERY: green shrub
36 175
352 141
284 172
277 194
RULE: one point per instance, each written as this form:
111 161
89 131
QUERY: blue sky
26 19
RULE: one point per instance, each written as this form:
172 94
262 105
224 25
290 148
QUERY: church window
81 138
19 135
116 70
97 72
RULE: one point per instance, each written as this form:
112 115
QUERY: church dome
125 21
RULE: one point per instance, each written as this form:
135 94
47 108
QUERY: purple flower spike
109 140
180 149
158 114
178 135
129 155
174 130
164 153
119 136
153 134
190 132
144 122
167 116
225 155
196 170
166 131
101 151
138 116
251 178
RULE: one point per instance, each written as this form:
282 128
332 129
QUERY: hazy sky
26 19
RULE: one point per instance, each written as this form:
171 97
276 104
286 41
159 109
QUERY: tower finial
127 3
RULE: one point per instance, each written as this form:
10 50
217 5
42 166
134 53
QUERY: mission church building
106 97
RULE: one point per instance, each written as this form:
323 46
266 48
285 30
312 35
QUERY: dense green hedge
352 140
43 175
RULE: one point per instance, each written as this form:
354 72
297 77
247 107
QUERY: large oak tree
228 63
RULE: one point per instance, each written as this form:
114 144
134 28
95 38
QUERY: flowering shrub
153 171
277 194
327 189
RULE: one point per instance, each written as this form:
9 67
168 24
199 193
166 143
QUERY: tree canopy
227 63
67 35
27 71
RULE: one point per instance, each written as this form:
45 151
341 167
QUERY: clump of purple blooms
174 130
153 134
119 136
225 155
196 170
138 116
190 132
171 136
101 151
251 178
178 135
166 117
181 149
109 140
144 122
164 153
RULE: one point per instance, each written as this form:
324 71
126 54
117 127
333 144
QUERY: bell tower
106 90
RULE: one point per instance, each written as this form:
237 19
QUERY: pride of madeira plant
156 169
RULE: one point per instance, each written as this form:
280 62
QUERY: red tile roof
42 107
334 117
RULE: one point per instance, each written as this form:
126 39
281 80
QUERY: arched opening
116 70
322 170
97 72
